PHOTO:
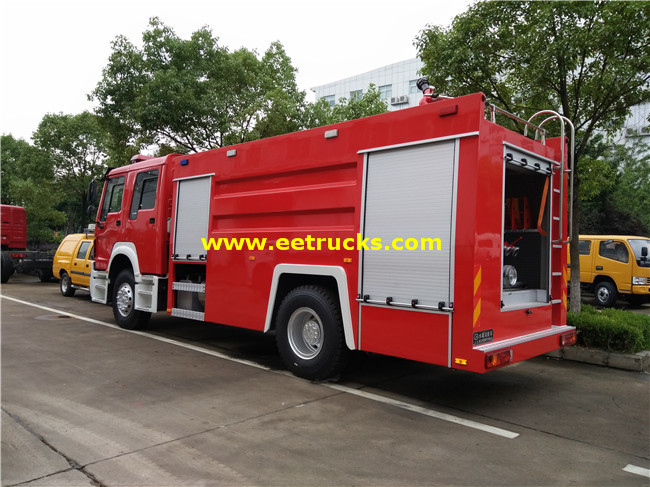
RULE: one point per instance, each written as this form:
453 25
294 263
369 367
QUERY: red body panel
306 183
13 228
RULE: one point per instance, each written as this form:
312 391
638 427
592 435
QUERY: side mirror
92 212
644 253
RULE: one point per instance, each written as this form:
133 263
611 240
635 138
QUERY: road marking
644 472
170 341
348 390
426 411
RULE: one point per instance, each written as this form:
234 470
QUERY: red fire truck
430 233
15 256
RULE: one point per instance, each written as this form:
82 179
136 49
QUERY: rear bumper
522 347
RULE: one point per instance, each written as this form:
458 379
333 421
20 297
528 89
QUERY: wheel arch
289 276
603 278
123 256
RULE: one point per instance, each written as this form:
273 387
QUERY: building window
385 92
356 95
329 99
413 87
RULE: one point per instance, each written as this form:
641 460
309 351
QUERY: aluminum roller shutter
192 213
409 195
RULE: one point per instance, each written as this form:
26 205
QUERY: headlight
509 276
638 281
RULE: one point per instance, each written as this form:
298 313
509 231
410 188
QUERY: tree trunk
574 253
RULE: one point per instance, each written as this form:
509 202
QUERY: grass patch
611 329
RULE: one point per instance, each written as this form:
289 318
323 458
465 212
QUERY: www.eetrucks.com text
321 243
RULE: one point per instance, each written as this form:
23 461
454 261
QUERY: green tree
28 181
40 200
321 113
76 145
615 190
587 60
194 94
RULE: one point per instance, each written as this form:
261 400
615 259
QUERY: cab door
80 269
109 225
613 260
144 225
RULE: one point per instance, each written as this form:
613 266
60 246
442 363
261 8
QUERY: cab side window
83 250
112 197
614 250
144 192
584 247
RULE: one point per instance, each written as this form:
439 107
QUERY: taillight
568 339
18 255
497 359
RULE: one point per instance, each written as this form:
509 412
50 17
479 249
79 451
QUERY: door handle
118 223
152 220
599 267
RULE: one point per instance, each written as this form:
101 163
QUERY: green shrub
613 330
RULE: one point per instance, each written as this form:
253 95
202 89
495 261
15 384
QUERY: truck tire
7 268
126 316
45 273
65 284
309 333
605 293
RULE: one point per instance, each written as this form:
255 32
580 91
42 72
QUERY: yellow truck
613 266
73 262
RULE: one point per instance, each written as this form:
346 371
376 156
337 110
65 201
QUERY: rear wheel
124 310
605 293
65 284
45 273
309 333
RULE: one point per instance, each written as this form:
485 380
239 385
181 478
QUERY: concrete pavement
88 404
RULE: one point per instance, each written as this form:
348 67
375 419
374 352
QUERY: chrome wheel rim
124 300
305 332
603 294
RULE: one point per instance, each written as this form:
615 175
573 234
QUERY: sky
52 52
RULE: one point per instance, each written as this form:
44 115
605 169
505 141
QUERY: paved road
85 403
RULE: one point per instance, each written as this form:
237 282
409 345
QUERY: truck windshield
637 245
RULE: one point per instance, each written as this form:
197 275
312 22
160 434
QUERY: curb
638 362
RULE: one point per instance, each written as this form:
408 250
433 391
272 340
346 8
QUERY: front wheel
605 293
65 284
309 333
124 310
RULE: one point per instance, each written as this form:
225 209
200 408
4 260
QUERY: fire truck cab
430 233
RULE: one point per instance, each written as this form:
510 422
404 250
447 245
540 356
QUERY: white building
637 125
395 82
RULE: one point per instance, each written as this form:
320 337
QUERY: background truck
613 266
15 256
344 210
72 262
